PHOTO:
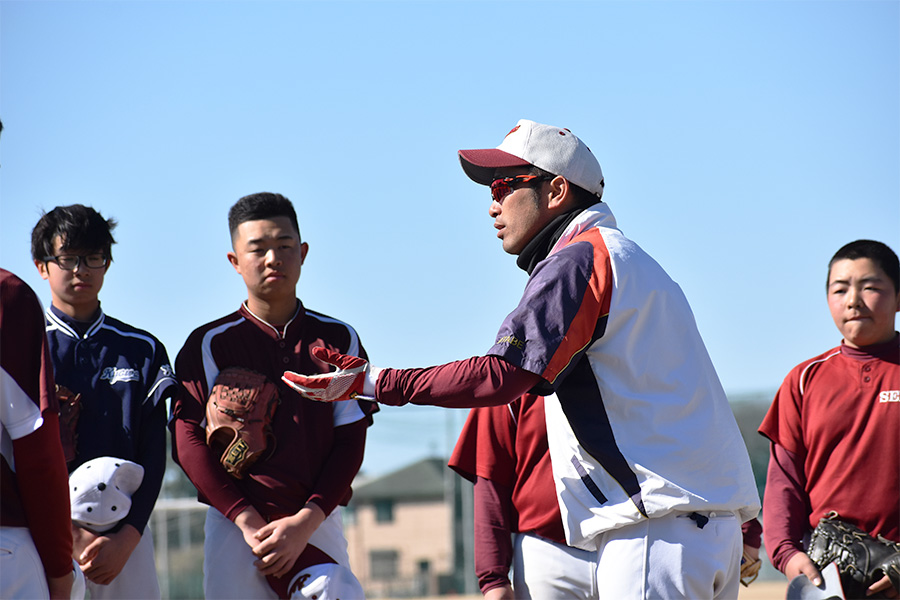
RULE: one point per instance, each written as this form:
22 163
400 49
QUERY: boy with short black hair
273 529
834 422
121 377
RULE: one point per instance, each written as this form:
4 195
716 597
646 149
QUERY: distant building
409 532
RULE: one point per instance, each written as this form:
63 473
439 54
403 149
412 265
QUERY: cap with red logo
552 149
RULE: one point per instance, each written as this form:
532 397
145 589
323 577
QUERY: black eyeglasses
70 263
503 186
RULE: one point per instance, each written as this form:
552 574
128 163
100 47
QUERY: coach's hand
344 383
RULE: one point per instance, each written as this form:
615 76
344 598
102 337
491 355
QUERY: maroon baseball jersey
838 417
318 446
508 444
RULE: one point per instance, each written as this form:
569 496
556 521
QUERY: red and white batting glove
345 383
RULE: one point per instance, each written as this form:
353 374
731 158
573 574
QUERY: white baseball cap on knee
552 149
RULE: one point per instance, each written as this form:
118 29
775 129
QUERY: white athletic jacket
637 420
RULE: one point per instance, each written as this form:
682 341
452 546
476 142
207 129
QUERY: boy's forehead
269 228
59 243
856 267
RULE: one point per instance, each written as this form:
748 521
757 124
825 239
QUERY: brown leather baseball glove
238 418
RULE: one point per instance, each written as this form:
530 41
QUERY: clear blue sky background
742 142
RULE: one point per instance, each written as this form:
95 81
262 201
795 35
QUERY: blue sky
742 143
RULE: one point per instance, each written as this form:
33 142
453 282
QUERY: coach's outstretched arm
477 381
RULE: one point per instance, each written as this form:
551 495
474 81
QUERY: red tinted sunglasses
503 186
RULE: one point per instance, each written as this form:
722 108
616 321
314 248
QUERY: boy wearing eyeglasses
113 380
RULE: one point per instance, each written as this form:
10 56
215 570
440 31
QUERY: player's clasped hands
345 383
280 543
283 540
103 556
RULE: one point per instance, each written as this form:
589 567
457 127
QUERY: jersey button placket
81 357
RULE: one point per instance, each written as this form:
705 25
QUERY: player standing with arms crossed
273 529
123 377
650 468
835 422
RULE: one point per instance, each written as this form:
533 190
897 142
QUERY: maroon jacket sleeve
785 509
44 486
477 381
213 483
493 533
341 466
752 533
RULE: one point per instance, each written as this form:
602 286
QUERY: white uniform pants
664 557
229 572
671 557
543 569
21 571
136 581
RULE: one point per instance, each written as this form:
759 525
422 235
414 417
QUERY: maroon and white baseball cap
550 148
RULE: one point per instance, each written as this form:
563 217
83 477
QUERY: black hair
263 205
79 227
877 252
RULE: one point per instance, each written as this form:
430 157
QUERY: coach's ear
560 192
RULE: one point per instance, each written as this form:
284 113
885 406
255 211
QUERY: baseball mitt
749 569
69 411
238 418
860 558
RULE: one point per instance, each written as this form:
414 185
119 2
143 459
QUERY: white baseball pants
666 557
229 572
21 571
